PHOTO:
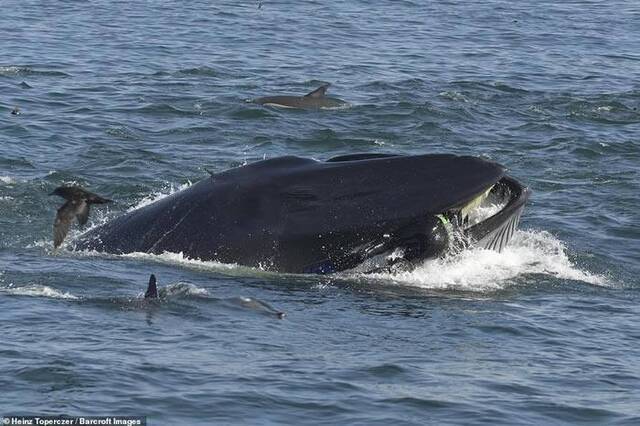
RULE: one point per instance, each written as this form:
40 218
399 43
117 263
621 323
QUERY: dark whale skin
292 214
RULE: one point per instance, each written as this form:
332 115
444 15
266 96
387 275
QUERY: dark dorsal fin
152 289
319 92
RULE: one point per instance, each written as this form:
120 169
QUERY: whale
315 99
363 212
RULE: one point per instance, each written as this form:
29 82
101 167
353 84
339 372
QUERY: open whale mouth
490 219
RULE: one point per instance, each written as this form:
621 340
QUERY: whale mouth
487 220
490 219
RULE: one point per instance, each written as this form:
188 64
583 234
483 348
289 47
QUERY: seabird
77 206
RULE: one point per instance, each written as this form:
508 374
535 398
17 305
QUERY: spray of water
529 252
156 196
37 291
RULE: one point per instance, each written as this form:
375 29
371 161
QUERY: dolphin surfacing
298 215
315 99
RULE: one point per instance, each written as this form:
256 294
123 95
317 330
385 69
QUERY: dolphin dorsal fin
152 289
318 93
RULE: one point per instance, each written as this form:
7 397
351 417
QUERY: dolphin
151 295
316 99
77 206
299 215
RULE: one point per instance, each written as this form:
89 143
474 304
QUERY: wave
15 70
200 71
38 291
8 180
160 108
203 71
181 290
122 132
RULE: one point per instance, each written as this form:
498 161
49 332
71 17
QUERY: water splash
18 70
529 252
177 259
158 195
182 290
37 291
8 180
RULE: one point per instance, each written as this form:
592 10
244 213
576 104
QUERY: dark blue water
136 99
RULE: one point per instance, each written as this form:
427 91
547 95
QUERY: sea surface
136 100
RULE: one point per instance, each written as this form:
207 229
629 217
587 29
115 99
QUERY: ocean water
136 99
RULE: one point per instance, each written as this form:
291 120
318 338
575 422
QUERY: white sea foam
183 289
454 96
529 252
179 290
181 260
7 180
7 70
155 196
38 291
